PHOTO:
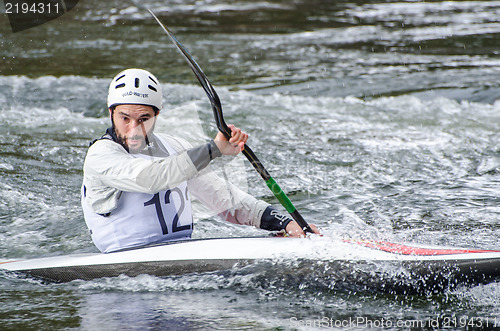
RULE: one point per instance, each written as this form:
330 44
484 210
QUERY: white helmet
136 87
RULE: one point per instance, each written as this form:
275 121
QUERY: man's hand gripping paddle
221 125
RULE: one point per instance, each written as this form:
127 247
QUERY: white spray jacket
109 169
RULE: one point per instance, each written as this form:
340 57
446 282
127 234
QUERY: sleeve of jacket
226 200
223 198
116 168
109 169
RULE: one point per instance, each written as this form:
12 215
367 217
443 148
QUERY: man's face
132 124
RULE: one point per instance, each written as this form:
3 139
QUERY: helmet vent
119 78
152 88
120 85
137 83
154 81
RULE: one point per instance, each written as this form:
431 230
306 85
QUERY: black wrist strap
272 220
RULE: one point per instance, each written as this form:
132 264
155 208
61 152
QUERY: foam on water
379 119
352 154
402 168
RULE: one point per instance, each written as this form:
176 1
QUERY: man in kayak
137 184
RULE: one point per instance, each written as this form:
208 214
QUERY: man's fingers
236 142
294 230
237 136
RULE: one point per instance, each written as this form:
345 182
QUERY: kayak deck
387 265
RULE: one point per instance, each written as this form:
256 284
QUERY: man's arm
108 162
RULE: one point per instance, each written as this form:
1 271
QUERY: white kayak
434 267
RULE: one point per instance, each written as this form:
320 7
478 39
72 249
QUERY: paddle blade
202 78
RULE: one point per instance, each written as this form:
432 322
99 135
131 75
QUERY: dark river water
378 118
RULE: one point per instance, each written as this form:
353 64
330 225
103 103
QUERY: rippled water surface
378 118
